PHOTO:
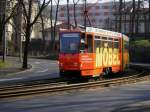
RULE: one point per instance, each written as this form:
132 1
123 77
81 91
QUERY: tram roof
103 32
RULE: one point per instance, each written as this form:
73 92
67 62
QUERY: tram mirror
82 46
82 41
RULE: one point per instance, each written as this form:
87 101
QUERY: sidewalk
14 66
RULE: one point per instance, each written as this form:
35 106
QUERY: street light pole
4 33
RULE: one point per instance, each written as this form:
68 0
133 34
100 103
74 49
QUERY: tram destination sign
70 35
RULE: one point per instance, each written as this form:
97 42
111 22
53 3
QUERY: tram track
21 90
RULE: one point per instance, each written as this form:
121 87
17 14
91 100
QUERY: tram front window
69 43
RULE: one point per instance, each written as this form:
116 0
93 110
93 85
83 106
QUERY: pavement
14 66
41 69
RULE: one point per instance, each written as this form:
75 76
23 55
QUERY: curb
22 71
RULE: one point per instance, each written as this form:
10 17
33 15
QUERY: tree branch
44 4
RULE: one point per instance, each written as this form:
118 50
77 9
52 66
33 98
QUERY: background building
133 20
99 14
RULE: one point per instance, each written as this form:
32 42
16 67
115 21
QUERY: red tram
93 52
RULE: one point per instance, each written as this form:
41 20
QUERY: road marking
37 62
53 63
1 80
42 71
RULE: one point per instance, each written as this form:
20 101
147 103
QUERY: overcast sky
88 1
93 1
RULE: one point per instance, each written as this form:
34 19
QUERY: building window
105 7
97 14
97 7
106 13
100 20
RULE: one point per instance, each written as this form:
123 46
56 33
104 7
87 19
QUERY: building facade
98 14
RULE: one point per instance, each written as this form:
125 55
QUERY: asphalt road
41 69
126 98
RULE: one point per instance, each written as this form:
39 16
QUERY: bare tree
54 23
149 18
8 13
27 6
138 11
125 16
51 19
133 17
116 16
74 11
42 28
120 15
17 32
68 17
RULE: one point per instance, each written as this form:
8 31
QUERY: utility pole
85 14
116 16
125 17
68 14
133 18
120 16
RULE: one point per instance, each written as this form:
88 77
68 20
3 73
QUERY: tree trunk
145 25
74 11
125 18
137 18
52 31
25 59
55 24
133 18
120 16
149 19
43 35
68 19
1 36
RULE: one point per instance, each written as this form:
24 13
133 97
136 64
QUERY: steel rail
57 88
36 83
52 81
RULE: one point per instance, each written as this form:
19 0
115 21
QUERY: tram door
86 43
89 39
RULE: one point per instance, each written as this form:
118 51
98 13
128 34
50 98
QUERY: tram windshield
69 42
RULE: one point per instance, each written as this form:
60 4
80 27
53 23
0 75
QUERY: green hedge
142 43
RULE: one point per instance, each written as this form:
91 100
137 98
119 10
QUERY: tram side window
97 43
110 42
89 44
104 42
116 43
